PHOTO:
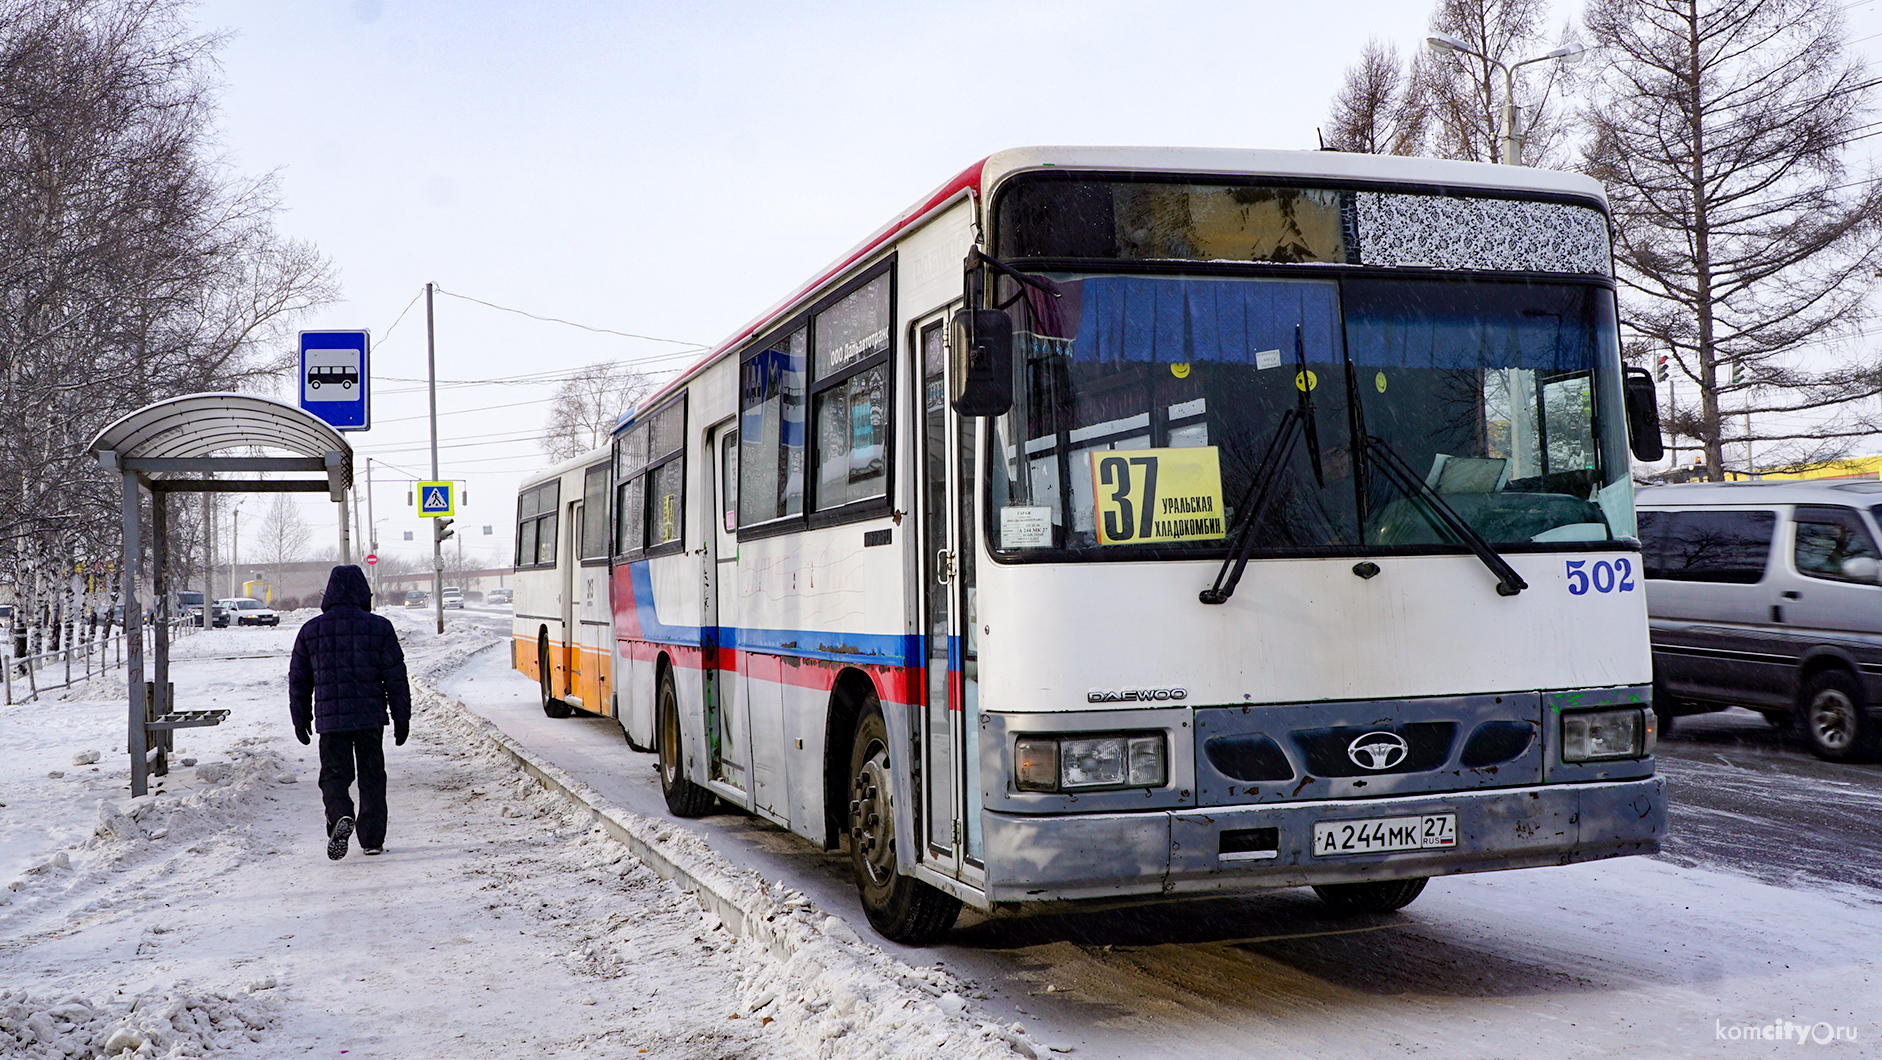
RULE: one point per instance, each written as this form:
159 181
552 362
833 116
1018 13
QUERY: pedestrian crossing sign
436 499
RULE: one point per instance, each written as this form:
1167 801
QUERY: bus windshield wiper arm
1043 284
1294 422
1508 582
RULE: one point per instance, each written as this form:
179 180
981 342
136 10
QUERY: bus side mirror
982 352
1643 415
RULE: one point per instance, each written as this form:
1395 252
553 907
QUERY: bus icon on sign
332 375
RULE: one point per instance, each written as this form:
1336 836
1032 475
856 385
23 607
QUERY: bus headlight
1599 735
1090 762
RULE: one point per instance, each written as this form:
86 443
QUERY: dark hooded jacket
347 669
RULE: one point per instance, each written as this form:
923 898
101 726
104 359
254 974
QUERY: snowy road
1674 956
206 920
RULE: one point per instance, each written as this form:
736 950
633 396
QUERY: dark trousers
339 751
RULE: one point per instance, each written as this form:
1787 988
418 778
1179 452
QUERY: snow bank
835 995
159 1023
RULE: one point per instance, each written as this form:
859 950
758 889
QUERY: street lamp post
1512 149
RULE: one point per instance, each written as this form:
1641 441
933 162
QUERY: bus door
948 672
726 718
593 610
565 650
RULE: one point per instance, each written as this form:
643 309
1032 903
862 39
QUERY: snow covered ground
205 919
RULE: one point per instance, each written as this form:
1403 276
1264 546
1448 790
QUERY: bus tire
551 706
684 798
899 907
1373 896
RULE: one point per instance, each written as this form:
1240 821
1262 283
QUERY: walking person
346 675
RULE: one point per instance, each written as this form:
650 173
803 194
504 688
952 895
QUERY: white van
1765 595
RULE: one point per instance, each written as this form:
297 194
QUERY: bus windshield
1146 404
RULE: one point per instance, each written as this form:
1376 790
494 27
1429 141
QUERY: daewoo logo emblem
1135 695
1377 750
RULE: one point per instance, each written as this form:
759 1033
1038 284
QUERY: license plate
1378 835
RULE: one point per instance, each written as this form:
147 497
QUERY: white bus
1152 522
563 628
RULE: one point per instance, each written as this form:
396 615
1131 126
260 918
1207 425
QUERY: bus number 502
1616 576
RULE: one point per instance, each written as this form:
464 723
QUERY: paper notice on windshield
1026 527
1146 496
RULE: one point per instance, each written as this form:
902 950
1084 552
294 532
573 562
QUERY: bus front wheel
899 907
551 706
1373 896
684 798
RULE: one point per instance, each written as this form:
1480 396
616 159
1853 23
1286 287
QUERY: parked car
453 597
189 603
1765 595
417 598
246 611
500 596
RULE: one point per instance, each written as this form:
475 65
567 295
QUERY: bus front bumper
1046 858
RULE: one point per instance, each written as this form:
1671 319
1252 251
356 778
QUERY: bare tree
282 538
1745 249
133 265
585 407
1380 108
1464 94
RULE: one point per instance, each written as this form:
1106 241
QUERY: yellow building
1854 467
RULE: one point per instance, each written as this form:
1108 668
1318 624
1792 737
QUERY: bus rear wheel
684 798
899 907
1373 896
551 706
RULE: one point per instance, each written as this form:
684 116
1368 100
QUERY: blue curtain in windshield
1389 324
1173 321
1449 325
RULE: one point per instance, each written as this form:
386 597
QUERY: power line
696 346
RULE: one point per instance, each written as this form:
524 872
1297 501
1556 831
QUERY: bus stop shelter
175 446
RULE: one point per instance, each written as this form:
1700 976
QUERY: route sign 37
334 382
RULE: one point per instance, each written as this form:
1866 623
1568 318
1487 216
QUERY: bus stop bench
187 719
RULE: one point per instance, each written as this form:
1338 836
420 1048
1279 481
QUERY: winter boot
336 843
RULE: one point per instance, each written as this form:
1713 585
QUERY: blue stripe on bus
895 649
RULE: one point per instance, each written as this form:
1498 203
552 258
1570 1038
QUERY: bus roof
600 455
987 173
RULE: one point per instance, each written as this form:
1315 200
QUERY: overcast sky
671 170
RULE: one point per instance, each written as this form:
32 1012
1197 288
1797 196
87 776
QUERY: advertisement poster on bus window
1150 496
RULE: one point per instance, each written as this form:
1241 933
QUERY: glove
400 730
301 735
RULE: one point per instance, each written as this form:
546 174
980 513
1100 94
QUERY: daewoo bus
1155 522
562 623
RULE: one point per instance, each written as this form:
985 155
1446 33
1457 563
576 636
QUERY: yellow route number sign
1146 496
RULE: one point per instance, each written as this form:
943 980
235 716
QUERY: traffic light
441 529
1661 376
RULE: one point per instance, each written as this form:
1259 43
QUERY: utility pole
431 387
372 528
235 543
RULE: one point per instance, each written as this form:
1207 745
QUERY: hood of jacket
347 585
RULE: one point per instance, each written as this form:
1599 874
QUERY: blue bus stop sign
334 382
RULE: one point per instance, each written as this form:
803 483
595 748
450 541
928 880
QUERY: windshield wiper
1301 419
976 255
1366 446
